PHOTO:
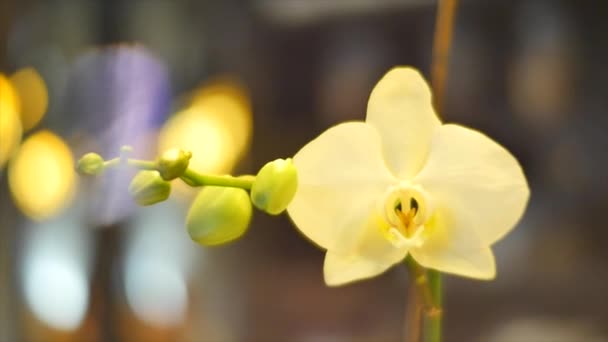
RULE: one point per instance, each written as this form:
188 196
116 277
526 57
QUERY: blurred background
244 82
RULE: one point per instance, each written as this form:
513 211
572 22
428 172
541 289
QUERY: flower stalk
222 210
193 177
428 286
442 41
429 282
200 179
432 328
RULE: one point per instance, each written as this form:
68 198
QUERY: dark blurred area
244 82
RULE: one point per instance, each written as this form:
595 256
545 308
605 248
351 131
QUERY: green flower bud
172 163
148 187
125 151
274 186
90 164
218 215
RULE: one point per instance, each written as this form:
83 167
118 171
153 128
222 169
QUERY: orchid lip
400 241
406 210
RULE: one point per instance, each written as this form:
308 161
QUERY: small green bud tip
148 187
90 164
173 163
274 186
125 151
219 215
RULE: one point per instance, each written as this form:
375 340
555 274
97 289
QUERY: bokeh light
215 126
229 102
157 292
117 95
10 124
124 91
41 176
158 264
57 292
33 94
55 266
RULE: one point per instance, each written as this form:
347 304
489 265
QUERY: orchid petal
340 175
371 254
481 182
450 249
400 108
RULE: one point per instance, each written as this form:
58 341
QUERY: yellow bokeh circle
41 176
33 94
215 126
229 103
10 123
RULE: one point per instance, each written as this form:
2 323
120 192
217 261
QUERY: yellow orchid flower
401 183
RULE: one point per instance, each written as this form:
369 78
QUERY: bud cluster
222 210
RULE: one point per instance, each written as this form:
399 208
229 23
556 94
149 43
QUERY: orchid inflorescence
369 193
222 210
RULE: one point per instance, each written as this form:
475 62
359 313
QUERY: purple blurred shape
118 95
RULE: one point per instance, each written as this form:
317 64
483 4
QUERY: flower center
406 210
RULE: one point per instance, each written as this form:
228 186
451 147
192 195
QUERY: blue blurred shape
54 268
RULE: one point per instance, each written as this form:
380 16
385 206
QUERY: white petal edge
400 107
341 174
371 255
473 263
343 269
477 179
452 249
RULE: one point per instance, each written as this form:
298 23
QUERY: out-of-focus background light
158 264
126 93
41 176
215 125
228 101
10 124
56 291
156 291
55 270
33 95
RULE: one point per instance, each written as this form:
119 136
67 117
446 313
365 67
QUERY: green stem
428 285
444 27
194 178
433 317
198 179
137 163
420 280
141 164
111 163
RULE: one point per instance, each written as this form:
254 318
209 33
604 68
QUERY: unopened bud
148 187
172 163
274 186
218 215
90 164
